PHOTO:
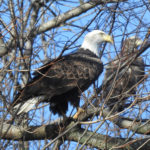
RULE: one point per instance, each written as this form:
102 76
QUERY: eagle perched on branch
125 78
63 80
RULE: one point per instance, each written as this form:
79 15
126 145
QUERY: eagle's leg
79 111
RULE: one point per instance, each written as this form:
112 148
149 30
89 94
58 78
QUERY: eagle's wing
61 76
126 81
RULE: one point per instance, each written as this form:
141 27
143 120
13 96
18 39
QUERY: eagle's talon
79 111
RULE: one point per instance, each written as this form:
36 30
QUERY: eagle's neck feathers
93 47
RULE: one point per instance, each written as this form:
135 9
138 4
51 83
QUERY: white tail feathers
26 106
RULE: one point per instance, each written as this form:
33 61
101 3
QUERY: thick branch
11 132
96 140
69 14
137 126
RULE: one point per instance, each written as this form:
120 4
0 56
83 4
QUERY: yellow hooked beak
138 42
108 38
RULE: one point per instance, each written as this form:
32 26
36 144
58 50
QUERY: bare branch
57 21
47 131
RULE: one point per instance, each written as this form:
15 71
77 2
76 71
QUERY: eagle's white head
136 40
93 40
131 44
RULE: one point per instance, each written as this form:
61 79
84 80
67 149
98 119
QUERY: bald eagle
125 81
62 80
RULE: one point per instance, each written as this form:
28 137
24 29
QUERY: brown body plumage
63 80
125 80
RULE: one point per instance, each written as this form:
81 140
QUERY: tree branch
137 126
57 21
11 132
